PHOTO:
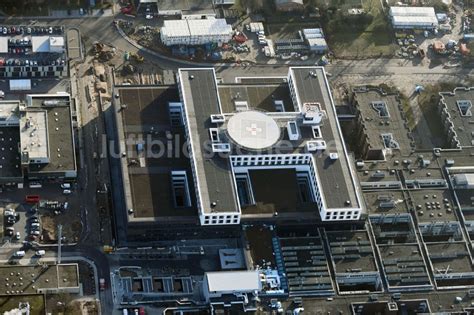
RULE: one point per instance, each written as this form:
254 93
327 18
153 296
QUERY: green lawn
361 37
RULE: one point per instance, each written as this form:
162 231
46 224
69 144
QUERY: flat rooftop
434 205
459 106
201 100
264 135
404 265
351 251
380 114
306 267
20 279
257 96
385 202
60 136
338 184
145 119
464 196
34 134
428 173
10 162
450 257
393 228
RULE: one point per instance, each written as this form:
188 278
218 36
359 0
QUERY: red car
127 9
32 198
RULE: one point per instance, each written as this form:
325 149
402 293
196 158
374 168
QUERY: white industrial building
47 44
195 32
413 17
315 39
234 283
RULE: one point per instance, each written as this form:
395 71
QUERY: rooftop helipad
253 130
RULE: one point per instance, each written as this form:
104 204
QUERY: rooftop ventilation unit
392 307
293 131
334 156
312 114
279 106
217 119
381 108
214 134
465 107
387 204
241 106
220 147
315 145
389 142
54 102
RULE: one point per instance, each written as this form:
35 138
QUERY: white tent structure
196 32
413 17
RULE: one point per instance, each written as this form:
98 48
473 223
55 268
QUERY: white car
66 186
40 253
17 235
2 94
148 16
20 253
36 233
67 192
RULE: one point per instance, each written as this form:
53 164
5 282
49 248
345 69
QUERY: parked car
32 198
34 220
17 235
40 253
9 231
66 186
20 253
67 192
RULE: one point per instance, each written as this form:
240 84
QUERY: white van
66 186
20 253
40 253
35 185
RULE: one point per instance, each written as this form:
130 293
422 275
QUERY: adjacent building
456 115
315 39
37 139
413 17
238 137
196 32
381 125
232 287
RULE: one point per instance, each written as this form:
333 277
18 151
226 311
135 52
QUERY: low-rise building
47 137
37 139
413 17
381 127
456 114
196 32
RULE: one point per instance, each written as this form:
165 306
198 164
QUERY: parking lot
40 225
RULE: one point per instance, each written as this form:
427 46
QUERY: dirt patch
71 228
